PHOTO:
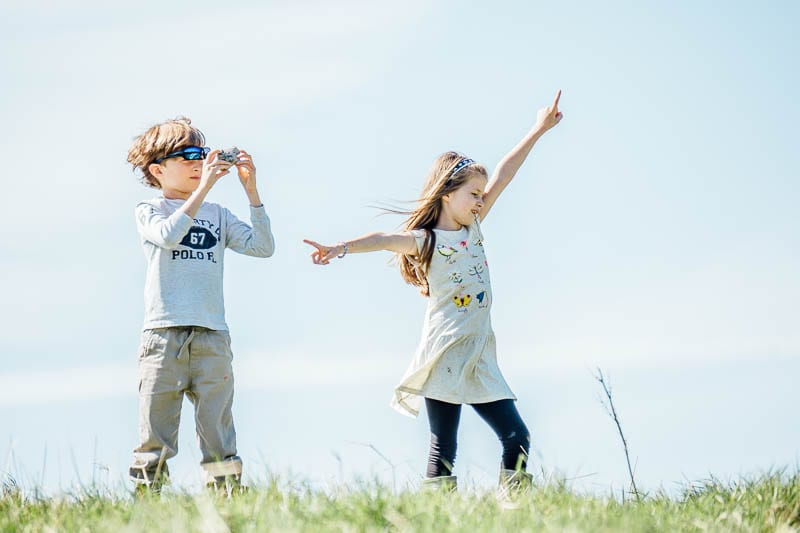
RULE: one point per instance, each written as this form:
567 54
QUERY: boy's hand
323 254
247 177
213 169
247 171
549 116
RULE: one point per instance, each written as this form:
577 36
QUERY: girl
441 252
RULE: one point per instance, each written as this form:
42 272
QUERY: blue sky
653 233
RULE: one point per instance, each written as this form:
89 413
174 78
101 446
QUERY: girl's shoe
446 483
512 484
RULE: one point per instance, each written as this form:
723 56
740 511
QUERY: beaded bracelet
344 253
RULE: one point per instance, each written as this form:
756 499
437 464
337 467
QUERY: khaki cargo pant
195 362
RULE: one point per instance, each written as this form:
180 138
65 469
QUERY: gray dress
456 361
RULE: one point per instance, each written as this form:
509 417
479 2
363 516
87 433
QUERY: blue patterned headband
461 164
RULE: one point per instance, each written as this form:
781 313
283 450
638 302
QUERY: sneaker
227 486
224 476
148 481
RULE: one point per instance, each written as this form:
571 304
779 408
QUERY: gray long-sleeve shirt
185 256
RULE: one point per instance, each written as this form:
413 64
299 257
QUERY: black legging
502 416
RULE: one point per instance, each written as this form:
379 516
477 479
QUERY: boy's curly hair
160 140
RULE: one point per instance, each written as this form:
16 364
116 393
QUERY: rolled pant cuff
228 467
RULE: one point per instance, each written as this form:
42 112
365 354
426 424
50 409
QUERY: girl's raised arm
402 243
546 118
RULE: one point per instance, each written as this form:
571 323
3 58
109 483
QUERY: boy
185 347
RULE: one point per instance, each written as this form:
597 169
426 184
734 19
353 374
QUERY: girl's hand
323 254
247 171
549 116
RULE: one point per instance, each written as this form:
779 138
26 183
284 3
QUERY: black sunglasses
190 153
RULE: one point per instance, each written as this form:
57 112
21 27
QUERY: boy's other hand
247 171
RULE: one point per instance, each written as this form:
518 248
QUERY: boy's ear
155 169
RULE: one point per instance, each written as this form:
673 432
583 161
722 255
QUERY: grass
770 502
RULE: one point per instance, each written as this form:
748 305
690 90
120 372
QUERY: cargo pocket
145 343
151 363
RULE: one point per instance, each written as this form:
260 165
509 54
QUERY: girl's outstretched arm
402 243
546 118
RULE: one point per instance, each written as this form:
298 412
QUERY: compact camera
229 155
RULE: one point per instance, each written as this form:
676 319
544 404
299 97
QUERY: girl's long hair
439 183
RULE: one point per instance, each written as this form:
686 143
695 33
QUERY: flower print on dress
456 277
465 246
476 270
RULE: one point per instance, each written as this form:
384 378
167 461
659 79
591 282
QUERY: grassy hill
770 502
